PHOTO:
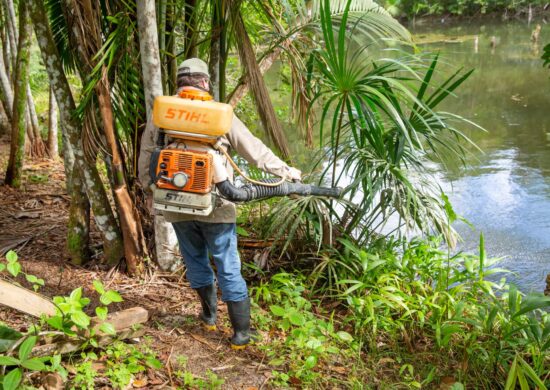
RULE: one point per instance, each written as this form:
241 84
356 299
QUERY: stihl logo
190 116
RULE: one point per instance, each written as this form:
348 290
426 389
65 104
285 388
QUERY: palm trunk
165 237
38 149
190 29
4 37
171 64
17 149
9 10
36 146
112 240
5 87
4 121
52 127
78 226
161 4
215 48
135 249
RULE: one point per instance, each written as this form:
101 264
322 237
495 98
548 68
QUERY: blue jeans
196 240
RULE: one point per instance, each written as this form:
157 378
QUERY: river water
505 191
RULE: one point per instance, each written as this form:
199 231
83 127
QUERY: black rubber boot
209 302
239 315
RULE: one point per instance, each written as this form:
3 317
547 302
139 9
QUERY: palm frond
257 85
61 33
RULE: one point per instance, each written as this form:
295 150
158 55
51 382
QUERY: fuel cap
180 179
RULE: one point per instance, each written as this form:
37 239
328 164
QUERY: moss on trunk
18 120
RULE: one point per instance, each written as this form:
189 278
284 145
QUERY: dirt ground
33 222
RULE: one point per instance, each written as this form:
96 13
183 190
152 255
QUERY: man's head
193 72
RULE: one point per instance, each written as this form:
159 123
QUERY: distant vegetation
411 8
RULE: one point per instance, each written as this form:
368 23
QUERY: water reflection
505 193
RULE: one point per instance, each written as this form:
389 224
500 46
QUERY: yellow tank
192 116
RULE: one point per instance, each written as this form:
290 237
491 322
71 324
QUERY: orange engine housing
197 165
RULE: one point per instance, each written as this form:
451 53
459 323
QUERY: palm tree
382 127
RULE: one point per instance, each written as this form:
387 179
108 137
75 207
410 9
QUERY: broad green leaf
80 319
8 336
8 361
135 368
107 328
11 257
296 318
345 336
31 278
55 322
532 302
153 363
14 268
101 312
34 365
26 348
242 232
311 361
109 297
2 267
12 380
98 286
76 294
277 310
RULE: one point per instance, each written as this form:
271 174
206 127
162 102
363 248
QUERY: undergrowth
405 316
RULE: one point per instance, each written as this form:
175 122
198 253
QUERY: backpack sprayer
185 173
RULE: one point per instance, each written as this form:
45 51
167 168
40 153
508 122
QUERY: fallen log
125 323
123 319
24 300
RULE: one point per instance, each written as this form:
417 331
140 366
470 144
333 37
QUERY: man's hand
294 174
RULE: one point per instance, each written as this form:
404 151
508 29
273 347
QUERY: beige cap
193 66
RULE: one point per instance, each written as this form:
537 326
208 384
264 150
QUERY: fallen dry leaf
139 383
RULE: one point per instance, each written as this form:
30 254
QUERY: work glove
293 174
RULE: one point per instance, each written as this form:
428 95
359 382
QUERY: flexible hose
217 146
250 192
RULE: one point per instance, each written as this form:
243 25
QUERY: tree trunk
9 9
112 240
171 64
135 249
52 127
38 149
78 226
5 86
165 237
215 48
4 37
4 121
190 29
17 149
258 87
161 17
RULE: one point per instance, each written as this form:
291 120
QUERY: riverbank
424 10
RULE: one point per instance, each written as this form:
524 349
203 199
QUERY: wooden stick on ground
24 300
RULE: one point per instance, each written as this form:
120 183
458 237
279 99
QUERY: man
216 234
